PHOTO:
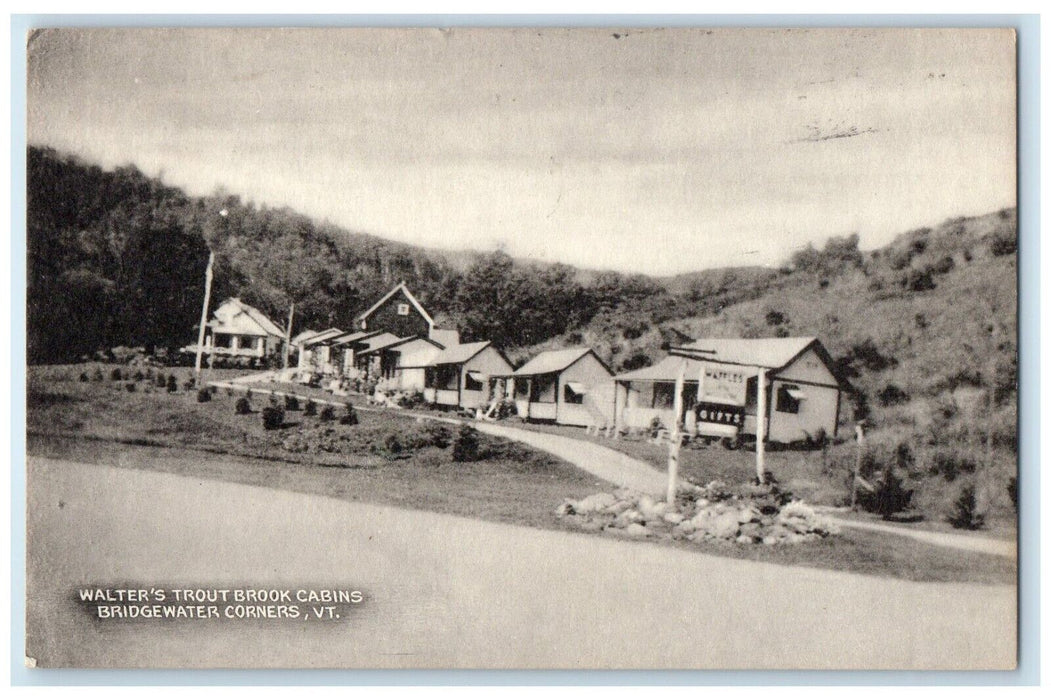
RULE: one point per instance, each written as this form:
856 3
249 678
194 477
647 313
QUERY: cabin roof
551 361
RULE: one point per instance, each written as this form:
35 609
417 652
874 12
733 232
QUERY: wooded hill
924 328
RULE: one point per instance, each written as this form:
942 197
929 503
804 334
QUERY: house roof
458 354
408 295
321 337
302 336
398 342
260 319
770 353
353 337
551 361
378 342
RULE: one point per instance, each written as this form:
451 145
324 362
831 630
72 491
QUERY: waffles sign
722 384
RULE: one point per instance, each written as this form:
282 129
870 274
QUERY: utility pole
288 335
760 427
859 434
204 316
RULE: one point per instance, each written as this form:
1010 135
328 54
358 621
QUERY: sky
653 151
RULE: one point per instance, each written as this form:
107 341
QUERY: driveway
449 592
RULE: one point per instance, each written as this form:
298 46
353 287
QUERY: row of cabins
397 344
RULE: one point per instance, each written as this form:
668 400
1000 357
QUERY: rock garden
748 515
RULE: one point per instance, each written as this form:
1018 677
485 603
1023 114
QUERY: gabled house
462 376
571 387
240 330
803 392
401 313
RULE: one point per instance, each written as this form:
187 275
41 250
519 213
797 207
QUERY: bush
243 406
130 386
350 416
1004 243
775 318
328 413
83 376
115 375
465 446
189 384
291 403
273 417
139 376
437 435
97 376
392 444
412 399
950 464
966 514
892 395
311 408
173 384
918 280
162 381
203 396
944 265
889 496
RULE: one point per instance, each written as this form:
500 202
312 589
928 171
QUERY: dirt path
451 592
622 470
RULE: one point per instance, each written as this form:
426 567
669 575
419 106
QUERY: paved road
453 592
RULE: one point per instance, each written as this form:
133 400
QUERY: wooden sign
723 384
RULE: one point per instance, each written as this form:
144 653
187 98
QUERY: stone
686 527
595 502
673 518
724 526
750 529
746 515
637 530
744 539
770 540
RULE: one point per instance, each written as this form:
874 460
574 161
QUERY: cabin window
403 309
788 398
663 394
522 389
221 340
473 382
545 388
574 392
443 377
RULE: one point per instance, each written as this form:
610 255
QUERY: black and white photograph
535 347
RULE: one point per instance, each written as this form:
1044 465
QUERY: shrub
438 435
203 396
950 464
311 408
888 497
465 446
173 384
944 265
291 403
243 406
350 416
189 384
392 444
918 280
115 374
900 259
97 376
1003 243
83 376
328 413
130 386
273 417
162 381
892 395
139 376
412 399
966 514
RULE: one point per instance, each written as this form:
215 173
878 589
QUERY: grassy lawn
151 429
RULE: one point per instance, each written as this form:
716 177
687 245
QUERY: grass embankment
152 429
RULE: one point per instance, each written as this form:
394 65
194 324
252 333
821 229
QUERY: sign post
676 437
288 335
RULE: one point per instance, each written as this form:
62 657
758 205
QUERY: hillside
924 329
